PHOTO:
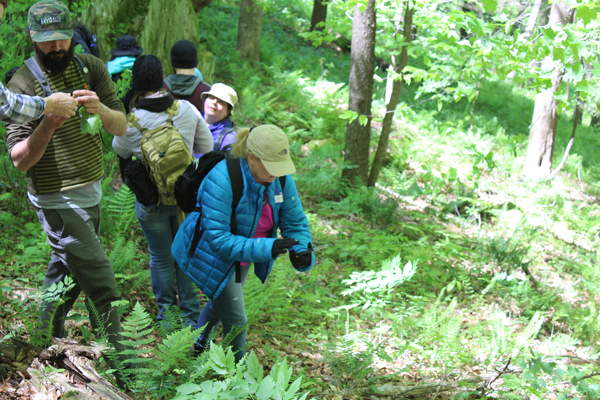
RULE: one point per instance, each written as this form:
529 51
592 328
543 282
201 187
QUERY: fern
123 254
137 327
121 209
174 352
54 295
173 321
255 293
531 331
119 369
498 343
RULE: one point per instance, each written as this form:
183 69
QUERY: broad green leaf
266 389
586 119
90 123
5 196
586 14
549 34
255 370
291 392
188 388
349 115
490 5
363 120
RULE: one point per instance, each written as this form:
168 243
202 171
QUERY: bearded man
64 167
18 109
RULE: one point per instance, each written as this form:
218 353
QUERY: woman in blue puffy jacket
265 206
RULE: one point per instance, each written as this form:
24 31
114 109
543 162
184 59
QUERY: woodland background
447 152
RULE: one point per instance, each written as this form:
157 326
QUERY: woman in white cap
218 108
269 201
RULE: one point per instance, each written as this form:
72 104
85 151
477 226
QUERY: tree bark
319 14
362 67
249 27
576 117
393 91
540 149
542 134
103 15
156 25
533 17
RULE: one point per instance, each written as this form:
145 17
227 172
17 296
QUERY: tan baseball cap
270 144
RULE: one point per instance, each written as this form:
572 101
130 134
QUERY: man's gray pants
76 251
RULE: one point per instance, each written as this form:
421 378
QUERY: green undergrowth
451 267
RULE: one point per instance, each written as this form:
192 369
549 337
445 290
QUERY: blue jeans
228 309
160 225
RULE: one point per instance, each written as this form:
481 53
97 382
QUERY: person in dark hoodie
185 84
159 223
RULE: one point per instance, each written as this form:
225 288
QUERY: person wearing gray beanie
186 83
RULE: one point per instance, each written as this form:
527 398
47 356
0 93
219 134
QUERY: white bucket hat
270 144
222 92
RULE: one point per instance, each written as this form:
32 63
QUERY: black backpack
87 39
219 140
188 184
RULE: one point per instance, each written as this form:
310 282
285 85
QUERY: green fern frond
173 321
121 207
175 350
123 254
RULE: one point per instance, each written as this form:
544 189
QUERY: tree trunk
249 26
362 67
393 91
181 20
533 17
576 117
538 161
156 25
540 149
319 14
101 17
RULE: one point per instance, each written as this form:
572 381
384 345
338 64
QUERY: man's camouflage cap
50 20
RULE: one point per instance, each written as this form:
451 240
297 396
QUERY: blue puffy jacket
212 265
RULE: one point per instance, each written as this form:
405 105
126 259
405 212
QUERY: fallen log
78 376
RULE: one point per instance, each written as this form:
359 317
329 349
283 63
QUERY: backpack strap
219 141
36 70
237 187
39 75
84 71
133 121
173 110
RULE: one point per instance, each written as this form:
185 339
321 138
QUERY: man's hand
61 105
89 99
113 121
53 122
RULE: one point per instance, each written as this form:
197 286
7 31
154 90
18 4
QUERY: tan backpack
165 153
